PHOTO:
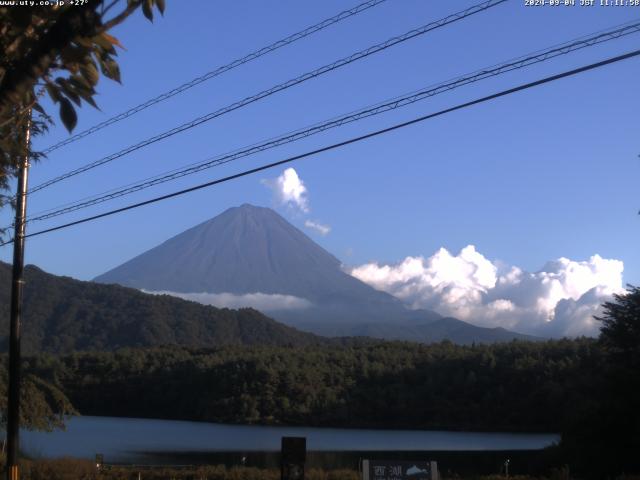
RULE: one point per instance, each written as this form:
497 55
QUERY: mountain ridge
63 315
248 249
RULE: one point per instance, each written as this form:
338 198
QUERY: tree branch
121 17
12 119
108 7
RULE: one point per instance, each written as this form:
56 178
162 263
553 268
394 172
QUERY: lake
133 440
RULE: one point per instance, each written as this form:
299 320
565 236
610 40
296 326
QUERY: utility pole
17 282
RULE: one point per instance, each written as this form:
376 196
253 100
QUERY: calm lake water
132 439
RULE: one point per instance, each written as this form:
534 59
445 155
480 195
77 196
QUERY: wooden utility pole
17 283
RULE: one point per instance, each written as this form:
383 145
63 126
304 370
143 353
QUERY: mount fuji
251 256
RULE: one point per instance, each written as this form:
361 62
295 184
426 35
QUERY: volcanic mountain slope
253 250
248 250
63 315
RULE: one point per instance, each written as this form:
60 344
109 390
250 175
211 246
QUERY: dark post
13 409
99 462
293 457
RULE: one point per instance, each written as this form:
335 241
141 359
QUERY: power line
398 102
219 71
538 56
334 146
283 86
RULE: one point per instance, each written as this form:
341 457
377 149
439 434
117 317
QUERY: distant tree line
518 386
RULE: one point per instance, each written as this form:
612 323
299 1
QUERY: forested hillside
514 386
62 315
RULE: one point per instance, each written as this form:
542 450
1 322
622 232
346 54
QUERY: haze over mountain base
63 315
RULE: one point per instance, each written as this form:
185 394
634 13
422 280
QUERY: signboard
399 470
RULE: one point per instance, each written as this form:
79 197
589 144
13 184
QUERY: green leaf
38 108
89 99
111 69
85 92
68 114
161 5
73 96
68 90
84 41
104 43
54 92
90 72
147 10
80 82
113 40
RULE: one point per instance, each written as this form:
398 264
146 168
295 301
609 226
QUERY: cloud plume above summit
560 299
289 189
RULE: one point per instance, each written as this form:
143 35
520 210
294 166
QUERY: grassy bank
75 469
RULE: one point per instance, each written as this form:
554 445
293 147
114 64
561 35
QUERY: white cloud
558 300
260 301
289 189
318 227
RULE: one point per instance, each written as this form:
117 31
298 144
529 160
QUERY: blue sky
542 174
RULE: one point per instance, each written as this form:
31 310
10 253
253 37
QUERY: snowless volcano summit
245 250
